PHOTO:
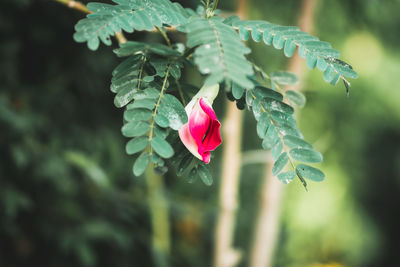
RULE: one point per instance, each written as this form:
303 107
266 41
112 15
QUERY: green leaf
131 48
237 91
173 110
219 52
261 92
148 93
127 15
286 129
280 163
296 98
184 164
284 78
161 132
306 155
316 52
135 128
161 120
124 97
290 48
162 147
263 125
329 74
310 173
270 138
283 118
277 149
272 104
136 145
205 174
192 175
143 103
311 60
141 164
296 142
157 160
138 114
278 42
287 177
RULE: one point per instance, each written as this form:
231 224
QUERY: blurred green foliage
67 195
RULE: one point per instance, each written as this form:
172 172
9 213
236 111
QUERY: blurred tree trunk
224 254
159 215
271 195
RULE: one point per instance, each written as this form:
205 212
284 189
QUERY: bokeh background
67 194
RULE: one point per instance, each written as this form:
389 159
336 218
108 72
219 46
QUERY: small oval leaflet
136 145
161 120
139 114
310 173
146 103
237 91
141 163
135 128
277 149
205 174
192 175
173 110
287 177
162 147
306 155
161 132
296 142
157 160
284 78
280 163
184 164
296 98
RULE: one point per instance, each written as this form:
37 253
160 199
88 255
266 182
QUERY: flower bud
201 134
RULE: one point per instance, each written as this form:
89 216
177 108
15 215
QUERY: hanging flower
201 134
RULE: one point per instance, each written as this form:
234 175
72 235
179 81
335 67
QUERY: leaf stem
215 5
283 142
143 59
180 92
267 77
165 36
156 109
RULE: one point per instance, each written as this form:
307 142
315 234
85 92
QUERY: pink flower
201 134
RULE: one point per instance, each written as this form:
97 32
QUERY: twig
75 5
180 92
165 36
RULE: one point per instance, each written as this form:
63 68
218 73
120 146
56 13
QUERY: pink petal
204 128
206 156
206 107
199 123
188 141
213 137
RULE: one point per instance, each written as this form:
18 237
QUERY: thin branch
75 5
178 85
120 37
165 36
215 5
